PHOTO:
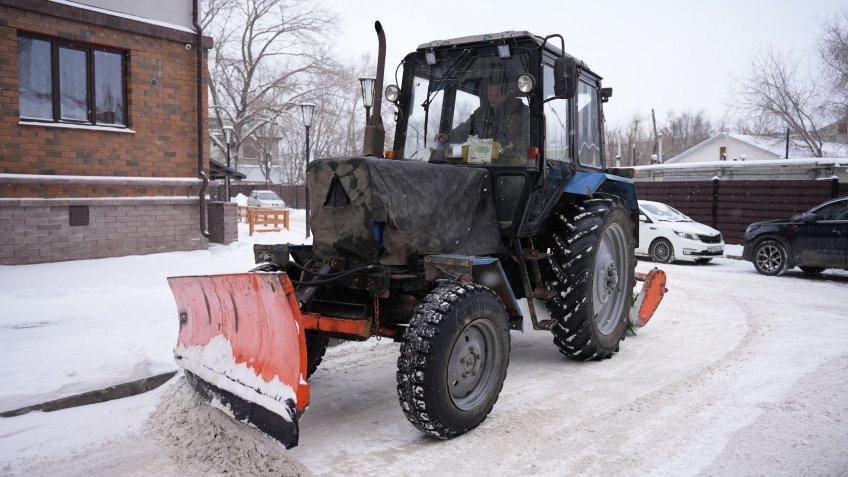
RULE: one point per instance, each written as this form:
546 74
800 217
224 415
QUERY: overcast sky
667 55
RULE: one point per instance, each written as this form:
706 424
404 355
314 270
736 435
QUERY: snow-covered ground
737 374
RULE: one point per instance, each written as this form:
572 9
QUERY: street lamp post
267 167
367 86
307 109
228 138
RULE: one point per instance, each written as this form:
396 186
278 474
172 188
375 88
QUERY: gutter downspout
195 13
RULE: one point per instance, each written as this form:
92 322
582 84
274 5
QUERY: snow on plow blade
649 297
242 347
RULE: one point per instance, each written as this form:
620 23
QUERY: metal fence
293 195
730 206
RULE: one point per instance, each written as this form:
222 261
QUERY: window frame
592 84
91 93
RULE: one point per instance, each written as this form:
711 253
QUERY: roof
218 170
464 40
771 145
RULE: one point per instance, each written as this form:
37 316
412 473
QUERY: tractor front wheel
453 360
590 269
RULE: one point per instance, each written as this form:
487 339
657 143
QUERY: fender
586 184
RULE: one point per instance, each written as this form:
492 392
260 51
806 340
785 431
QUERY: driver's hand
441 137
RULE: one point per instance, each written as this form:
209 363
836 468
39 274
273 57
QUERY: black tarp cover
426 209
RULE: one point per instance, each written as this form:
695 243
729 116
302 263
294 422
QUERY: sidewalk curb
100 395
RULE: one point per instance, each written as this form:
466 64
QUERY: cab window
588 133
556 120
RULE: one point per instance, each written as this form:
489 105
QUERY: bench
273 217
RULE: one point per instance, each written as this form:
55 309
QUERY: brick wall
45 169
163 117
35 231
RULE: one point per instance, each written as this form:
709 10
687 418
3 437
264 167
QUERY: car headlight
686 235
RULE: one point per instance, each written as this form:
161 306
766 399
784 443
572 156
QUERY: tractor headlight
392 93
686 235
526 83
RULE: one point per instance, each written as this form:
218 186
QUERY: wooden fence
730 206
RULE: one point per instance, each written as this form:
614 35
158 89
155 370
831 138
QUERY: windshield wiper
434 89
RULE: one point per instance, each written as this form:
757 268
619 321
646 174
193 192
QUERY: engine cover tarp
426 208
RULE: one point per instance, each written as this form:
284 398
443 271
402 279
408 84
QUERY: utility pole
656 140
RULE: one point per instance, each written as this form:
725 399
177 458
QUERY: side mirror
809 218
643 218
565 74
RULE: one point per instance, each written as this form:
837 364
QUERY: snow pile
204 441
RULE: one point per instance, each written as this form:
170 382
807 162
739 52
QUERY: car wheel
770 258
661 251
812 270
702 261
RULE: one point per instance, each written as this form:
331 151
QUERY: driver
501 117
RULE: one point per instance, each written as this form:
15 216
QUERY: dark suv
814 240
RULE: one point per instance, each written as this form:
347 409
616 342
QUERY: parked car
814 240
267 199
666 234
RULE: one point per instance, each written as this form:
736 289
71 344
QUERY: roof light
503 51
430 57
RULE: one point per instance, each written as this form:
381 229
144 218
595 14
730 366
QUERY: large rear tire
591 270
453 360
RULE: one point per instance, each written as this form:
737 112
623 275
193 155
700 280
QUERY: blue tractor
496 190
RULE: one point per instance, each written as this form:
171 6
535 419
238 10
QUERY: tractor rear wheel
591 270
453 360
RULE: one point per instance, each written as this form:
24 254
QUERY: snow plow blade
649 298
242 346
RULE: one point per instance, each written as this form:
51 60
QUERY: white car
266 199
666 234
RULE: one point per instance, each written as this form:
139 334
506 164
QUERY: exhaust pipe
375 135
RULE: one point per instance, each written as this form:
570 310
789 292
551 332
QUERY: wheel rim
472 366
609 290
769 258
661 251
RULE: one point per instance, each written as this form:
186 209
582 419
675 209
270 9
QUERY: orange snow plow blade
650 296
242 346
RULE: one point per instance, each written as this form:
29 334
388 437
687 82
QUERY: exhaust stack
375 135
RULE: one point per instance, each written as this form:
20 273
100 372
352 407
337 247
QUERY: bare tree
264 51
684 130
833 52
774 90
636 141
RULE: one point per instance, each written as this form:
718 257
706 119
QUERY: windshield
267 196
664 212
466 109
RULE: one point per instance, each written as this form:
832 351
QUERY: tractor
493 205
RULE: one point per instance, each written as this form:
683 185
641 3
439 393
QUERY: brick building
101 141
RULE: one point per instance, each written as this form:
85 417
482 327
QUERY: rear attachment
645 304
242 346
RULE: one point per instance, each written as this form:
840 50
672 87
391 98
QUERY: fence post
714 223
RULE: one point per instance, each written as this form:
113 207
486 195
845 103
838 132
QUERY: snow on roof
776 146
835 161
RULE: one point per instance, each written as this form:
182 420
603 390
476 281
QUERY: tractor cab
509 102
